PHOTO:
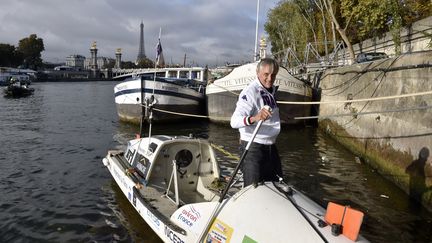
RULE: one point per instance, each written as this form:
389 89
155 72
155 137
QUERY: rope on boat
228 154
324 102
180 114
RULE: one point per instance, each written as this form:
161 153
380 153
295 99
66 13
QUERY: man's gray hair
268 62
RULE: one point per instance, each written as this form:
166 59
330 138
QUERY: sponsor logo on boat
185 220
129 155
153 219
120 179
194 211
143 168
189 216
172 236
219 232
220 227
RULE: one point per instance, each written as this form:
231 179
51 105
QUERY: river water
54 187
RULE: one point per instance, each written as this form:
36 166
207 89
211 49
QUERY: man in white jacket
262 163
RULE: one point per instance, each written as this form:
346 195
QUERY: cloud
207 31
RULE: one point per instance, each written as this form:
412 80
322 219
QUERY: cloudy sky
209 31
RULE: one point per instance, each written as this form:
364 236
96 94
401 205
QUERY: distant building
102 62
76 61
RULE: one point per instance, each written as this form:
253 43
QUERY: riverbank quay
385 117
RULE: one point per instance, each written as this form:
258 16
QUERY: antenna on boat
158 57
152 101
143 108
256 32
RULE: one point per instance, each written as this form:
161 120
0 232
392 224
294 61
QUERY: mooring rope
364 113
322 102
356 100
169 112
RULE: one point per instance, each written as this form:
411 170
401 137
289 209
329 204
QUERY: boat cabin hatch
182 168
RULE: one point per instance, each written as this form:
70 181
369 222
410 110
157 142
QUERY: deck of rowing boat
174 184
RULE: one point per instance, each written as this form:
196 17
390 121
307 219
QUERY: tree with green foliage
285 26
9 56
371 18
145 63
414 10
128 64
31 48
307 10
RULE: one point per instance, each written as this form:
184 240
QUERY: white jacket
250 102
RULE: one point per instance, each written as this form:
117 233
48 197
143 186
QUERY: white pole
152 97
256 31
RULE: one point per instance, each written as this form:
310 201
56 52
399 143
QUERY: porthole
183 158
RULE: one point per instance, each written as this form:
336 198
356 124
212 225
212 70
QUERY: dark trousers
262 163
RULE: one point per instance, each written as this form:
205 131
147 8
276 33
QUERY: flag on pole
160 62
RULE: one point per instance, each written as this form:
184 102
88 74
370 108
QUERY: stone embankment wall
395 135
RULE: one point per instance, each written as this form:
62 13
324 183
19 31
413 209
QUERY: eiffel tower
141 52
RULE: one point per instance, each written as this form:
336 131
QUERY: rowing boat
175 185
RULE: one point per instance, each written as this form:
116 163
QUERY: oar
225 191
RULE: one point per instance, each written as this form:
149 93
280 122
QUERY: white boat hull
170 97
222 94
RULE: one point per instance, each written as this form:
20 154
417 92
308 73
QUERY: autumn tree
31 48
413 10
318 25
308 12
293 22
285 27
332 8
